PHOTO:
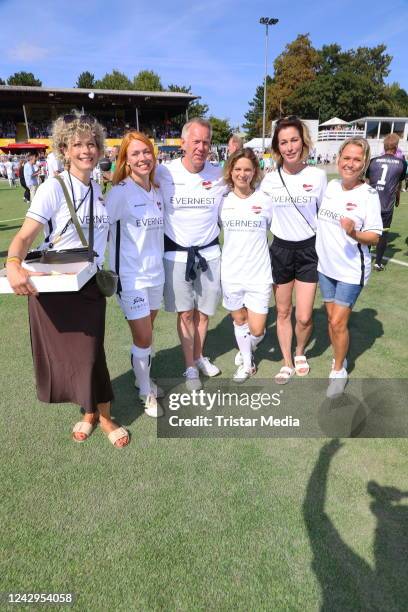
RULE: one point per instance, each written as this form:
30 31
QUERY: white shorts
138 303
235 297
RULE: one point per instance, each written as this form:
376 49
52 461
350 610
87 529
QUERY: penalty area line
396 261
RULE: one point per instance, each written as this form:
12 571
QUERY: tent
333 122
23 147
256 143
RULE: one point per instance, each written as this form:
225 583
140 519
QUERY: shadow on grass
126 406
347 581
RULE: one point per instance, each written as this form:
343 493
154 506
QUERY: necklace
73 196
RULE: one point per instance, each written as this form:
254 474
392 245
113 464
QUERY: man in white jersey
192 190
54 165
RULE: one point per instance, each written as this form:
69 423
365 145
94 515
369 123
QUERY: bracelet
13 258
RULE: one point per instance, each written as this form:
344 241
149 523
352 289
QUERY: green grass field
204 524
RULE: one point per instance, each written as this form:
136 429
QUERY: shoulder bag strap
91 227
293 201
72 212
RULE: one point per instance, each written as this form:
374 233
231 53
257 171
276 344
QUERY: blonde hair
391 142
304 134
64 131
122 169
358 142
247 153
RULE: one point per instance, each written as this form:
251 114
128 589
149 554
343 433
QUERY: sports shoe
337 383
243 373
152 408
345 363
379 267
154 388
239 360
206 367
193 382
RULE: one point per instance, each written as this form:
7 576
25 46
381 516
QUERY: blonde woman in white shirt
67 329
296 191
246 277
349 221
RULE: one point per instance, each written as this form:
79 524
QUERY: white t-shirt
49 207
340 256
245 259
306 190
53 165
191 205
9 169
136 235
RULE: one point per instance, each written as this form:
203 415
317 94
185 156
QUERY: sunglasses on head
81 118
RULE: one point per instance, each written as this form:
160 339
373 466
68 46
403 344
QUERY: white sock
243 338
141 361
255 340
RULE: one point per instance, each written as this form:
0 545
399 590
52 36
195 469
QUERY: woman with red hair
135 211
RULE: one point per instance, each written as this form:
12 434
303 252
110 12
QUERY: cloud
26 52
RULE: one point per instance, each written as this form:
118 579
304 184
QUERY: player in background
386 173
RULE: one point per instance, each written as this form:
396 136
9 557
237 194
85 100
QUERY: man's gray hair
195 121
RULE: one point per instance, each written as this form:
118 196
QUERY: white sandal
301 364
117 434
83 427
284 375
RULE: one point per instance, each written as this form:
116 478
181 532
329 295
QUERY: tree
2 82
194 109
221 130
295 66
86 80
147 80
24 78
253 125
114 80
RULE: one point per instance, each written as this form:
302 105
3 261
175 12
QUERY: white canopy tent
256 143
333 122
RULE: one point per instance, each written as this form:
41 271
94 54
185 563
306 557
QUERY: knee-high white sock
141 361
255 340
243 338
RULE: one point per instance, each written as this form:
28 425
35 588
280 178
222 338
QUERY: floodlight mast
266 21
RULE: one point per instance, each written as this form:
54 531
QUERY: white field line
396 261
7 220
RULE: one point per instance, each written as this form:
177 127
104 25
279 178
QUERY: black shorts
293 260
387 219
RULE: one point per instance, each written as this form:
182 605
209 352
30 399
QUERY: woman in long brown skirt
67 329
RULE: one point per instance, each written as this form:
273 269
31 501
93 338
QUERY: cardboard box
58 277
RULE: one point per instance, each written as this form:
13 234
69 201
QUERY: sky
216 46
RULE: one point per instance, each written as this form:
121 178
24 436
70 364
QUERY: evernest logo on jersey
223 399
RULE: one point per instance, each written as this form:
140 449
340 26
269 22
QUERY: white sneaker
193 382
243 373
337 383
154 388
152 408
239 360
206 367
345 363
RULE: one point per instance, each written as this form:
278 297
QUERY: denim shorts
332 290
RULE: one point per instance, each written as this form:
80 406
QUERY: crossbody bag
294 203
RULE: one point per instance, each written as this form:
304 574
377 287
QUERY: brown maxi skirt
67 335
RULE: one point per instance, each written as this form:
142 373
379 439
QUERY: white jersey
136 235
245 256
306 190
53 165
340 256
9 169
50 208
191 206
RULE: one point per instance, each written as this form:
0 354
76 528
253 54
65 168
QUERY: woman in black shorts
296 191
